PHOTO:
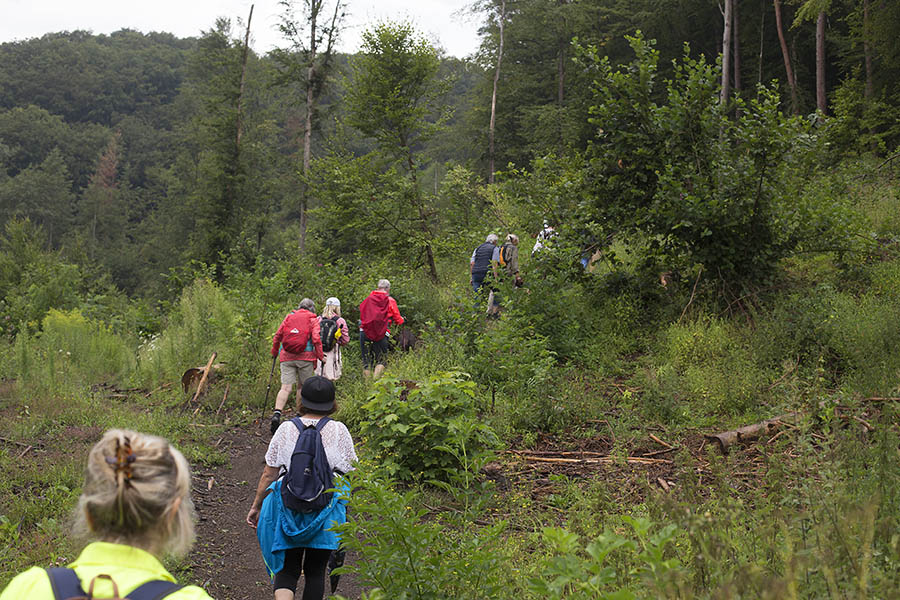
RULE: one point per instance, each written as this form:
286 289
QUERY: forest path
226 560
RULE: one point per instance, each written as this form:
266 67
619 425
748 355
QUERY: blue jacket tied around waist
280 528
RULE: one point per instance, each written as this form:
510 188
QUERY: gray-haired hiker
376 313
298 345
136 507
485 260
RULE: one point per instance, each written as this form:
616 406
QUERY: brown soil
226 560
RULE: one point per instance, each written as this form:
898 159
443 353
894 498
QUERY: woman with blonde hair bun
136 506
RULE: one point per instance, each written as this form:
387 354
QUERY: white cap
333 302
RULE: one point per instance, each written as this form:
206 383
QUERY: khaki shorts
297 371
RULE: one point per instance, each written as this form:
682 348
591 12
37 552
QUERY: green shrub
646 570
409 426
406 555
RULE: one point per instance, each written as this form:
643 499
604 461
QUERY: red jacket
375 314
305 323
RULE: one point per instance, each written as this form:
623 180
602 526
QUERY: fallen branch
663 483
726 439
8 441
659 441
224 398
203 379
658 452
162 387
555 453
864 423
601 460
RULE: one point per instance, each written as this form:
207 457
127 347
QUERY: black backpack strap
65 583
153 590
321 424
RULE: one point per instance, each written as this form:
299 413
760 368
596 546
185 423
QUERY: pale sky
439 20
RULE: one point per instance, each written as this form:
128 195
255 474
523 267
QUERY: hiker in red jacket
376 313
300 345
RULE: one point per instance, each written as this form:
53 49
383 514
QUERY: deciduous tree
394 97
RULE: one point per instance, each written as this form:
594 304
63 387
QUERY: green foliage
405 555
703 188
395 89
647 570
708 364
203 322
360 216
71 351
414 428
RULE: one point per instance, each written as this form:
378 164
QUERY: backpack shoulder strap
154 590
65 583
322 422
298 423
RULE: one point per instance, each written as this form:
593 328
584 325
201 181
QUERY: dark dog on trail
407 340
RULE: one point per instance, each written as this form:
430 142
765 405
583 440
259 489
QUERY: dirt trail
226 558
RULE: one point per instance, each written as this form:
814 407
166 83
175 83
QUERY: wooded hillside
691 390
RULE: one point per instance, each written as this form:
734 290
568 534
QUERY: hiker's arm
316 337
394 312
269 475
276 341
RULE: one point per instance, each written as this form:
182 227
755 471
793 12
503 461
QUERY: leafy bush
405 555
646 569
411 426
703 187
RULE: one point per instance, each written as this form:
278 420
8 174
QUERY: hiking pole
268 387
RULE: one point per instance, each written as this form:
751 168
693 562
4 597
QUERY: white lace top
335 438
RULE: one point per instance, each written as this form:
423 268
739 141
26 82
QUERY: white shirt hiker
336 440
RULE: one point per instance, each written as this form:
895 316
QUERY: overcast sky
439 20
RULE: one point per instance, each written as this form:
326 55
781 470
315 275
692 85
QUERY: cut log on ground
726 439
203 379
192 376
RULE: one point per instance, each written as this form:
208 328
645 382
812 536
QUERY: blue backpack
66 585
304 488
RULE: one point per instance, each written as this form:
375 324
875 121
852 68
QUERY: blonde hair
331 310
137 492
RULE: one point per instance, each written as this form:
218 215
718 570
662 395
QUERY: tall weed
203 322
69 352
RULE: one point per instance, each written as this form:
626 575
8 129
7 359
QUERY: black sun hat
317 394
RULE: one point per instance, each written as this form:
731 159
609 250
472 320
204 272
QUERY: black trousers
312 562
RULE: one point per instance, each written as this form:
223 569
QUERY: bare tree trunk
726 54
736 45
762 37
791 81
240 102
307 124
821 100
423 217
502 24
870 86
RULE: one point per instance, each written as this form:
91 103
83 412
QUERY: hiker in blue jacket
293 541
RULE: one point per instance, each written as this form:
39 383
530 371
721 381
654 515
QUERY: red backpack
297 335
373 316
